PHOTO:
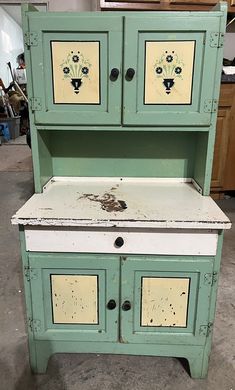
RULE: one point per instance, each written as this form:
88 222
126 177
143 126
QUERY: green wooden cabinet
121 244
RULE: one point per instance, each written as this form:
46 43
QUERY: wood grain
223 173
162 5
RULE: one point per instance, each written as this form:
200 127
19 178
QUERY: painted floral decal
168 67
76 68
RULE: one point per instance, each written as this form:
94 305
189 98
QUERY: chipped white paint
164 301
74 299
147 241
150 203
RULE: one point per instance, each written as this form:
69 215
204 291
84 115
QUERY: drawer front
135 241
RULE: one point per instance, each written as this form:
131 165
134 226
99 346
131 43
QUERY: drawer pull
126 306
119 242
111 304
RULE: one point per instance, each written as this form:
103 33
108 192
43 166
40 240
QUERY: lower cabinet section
121 299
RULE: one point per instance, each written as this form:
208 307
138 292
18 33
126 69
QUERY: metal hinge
35 325
30 273
205 330
210 105
216 39
35 104
31 38
210 279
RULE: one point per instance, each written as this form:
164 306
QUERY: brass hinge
216 39
205 330
30 273
210 279
35 325
31 38
35 104
210 105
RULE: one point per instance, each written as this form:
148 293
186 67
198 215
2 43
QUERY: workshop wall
11 44
70 5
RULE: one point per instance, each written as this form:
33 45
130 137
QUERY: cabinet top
122 202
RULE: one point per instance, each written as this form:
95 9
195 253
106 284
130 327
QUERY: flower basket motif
76 68
169 68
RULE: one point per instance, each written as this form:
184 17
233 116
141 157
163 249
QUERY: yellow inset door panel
75 299
164 301
76 72
168 72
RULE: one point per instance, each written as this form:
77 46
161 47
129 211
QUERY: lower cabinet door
75 297
165 299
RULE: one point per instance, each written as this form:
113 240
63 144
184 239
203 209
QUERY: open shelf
122 154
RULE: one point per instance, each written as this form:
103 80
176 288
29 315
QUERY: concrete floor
70 372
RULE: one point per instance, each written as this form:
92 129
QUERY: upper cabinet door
171 67
76 68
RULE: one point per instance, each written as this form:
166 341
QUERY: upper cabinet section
174 61
100 69
76 68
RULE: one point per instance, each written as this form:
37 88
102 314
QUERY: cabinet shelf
133 129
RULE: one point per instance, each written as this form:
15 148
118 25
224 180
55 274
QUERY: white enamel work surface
121 203
74 299
164 301
147 241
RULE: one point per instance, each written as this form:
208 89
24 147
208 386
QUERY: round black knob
114 74
126 305
130 74
119 242
111 304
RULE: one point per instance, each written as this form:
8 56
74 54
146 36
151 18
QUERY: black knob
119 242
114 74
126 306
130 74
111 304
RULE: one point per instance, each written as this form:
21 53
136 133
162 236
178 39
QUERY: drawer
123 241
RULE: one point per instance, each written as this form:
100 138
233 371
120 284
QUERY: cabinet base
41 351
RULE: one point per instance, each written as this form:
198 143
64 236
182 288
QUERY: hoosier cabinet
121 243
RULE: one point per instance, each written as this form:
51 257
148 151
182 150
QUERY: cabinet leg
39 358
198 366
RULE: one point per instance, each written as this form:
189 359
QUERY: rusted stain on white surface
107 201
74 299
164 301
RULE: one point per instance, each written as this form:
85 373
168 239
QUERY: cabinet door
168 299
170 67
70 296
75 60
